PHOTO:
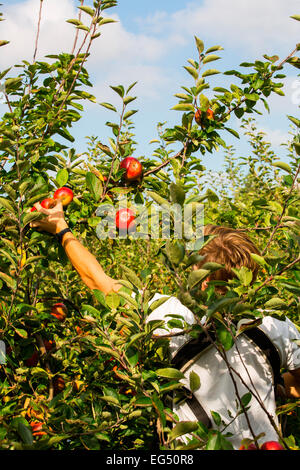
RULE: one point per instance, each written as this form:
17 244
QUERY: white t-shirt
216 391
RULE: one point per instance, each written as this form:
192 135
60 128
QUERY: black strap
260 338
197 408
197 345
61 234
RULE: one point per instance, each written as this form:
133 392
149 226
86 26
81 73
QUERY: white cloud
276 137
255 26
20 27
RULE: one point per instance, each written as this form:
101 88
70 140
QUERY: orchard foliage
100 379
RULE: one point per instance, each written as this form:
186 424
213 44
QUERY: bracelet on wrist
61 234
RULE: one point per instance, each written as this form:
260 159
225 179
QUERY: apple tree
84 370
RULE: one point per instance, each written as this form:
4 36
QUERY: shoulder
171 306
285 336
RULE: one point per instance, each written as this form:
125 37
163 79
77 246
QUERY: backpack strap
260 338
191 350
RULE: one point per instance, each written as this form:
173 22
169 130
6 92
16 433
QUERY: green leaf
129 99
7 205
21 332
213 49
191 71
130 113
94 185
296 17
106 21
258 259
296 146
246 399
158 302
131 276
128 298
184 427
175 251
65 134
194 381
74 21
3 42
220 304
212 266
225 337
170 373
87 10
108 106
118 89
10 282
283 166
25 434
244 274
210 58
276 303
62 177
31 216
183 107
199 44
177 193
216 417
214 442
197 276
233 132
112 300
112 400
158 199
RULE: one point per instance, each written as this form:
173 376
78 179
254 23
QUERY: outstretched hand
55 220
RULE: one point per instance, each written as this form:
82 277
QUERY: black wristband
61 234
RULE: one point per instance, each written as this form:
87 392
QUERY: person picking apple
222 382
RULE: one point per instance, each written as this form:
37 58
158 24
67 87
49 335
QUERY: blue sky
151 42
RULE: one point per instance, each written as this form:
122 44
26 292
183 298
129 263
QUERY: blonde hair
231 248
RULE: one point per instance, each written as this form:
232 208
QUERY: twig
283 211
277 274
38 31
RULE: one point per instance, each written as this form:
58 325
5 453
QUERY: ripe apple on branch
133 169
64 194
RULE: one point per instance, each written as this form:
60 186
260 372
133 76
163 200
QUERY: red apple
251 446
49 344
59 311
271 445
125 219
32 360
58 385
36 427
133 168
198 115
64 194
48 203
210 114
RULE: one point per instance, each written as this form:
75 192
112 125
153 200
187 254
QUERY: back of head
231 248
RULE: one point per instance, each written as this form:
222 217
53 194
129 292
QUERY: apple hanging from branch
133 167
59 311
125 219
64 194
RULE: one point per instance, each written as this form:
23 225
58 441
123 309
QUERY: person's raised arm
85 263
